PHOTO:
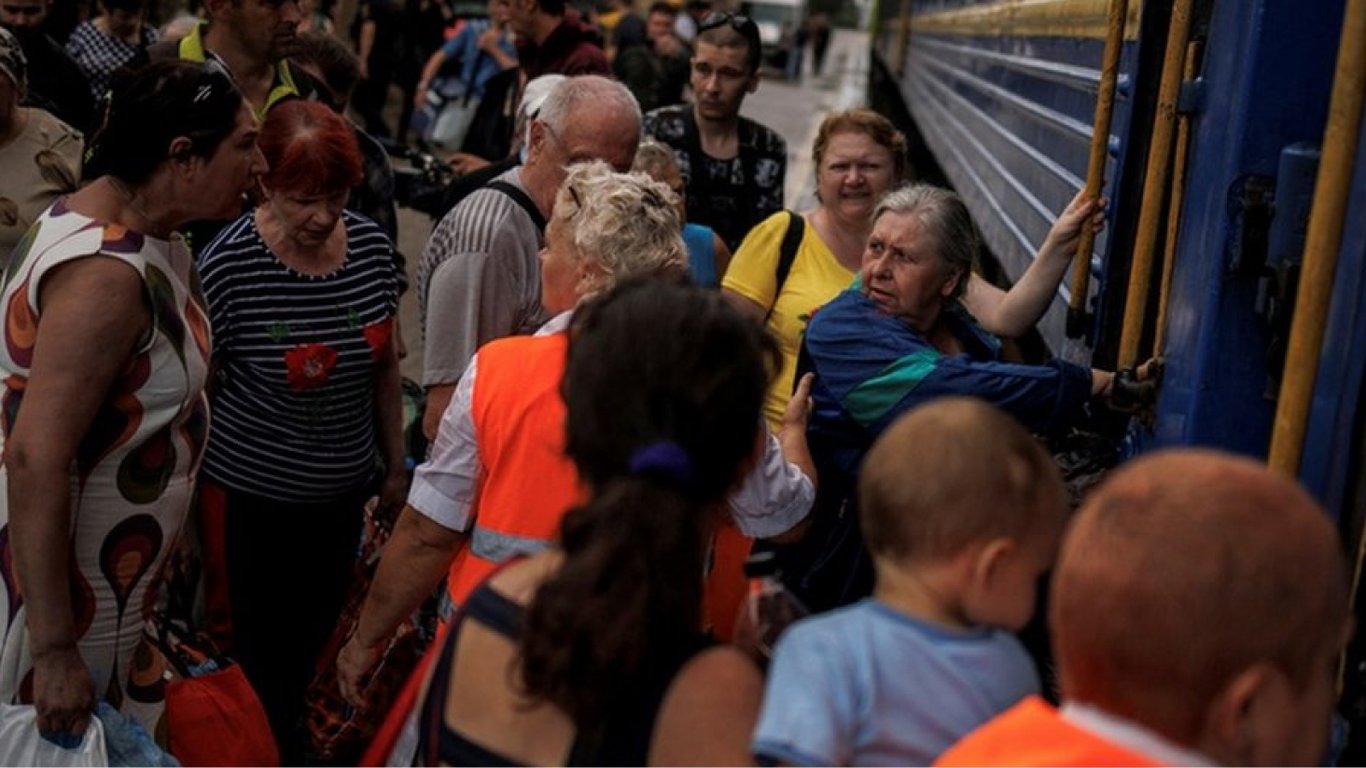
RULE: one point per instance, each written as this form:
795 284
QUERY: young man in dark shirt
733 166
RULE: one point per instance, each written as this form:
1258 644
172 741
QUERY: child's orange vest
1033 733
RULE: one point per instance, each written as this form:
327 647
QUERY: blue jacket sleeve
873 367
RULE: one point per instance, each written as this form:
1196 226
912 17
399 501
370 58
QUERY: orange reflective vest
1034 733
527 483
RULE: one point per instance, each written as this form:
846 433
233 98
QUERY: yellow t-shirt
816 277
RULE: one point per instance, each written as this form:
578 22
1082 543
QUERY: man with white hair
479 277
473 172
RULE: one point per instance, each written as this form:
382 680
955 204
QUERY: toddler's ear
990 562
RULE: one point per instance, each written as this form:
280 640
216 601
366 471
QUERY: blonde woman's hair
625 223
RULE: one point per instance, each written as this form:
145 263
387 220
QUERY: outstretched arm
429 71
428 534
1012 313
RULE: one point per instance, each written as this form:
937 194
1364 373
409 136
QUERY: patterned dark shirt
730 196
100 55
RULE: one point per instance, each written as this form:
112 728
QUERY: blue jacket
870 368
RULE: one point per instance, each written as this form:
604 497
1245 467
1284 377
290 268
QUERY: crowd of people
639 368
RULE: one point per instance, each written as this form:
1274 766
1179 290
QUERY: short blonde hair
952 473
654 158
625 223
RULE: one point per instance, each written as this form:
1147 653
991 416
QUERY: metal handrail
1178 197
1322 243
1154 184
1095 168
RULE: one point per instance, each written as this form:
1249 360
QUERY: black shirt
733 195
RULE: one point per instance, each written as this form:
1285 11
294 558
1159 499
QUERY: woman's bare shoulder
718 693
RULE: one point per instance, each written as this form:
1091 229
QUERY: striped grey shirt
479 280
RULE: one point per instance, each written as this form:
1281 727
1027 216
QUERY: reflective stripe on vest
496 546
527 482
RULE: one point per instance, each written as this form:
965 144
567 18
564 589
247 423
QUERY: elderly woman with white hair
900 337
498 481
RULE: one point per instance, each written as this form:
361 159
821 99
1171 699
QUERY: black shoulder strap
522 199
787 252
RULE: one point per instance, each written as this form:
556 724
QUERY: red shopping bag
216 719
213 715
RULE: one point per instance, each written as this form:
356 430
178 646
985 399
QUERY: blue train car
1001 96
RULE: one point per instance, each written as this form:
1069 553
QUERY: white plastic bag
453 122
21 745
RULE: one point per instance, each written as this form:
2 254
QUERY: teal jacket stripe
872 399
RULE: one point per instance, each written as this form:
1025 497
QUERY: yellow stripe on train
1026 18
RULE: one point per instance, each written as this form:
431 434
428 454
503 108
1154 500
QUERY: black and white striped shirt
293 398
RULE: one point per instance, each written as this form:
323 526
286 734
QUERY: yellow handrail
1100 140
1154 184
1322 243
1183 140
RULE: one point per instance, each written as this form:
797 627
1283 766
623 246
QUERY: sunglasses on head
742 24
217 78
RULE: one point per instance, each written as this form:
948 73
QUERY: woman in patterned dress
105 355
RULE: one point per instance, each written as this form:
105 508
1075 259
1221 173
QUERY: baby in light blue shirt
962 511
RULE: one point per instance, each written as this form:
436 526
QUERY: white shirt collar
556 324
1131 735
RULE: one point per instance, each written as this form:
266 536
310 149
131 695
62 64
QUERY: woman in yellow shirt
859 155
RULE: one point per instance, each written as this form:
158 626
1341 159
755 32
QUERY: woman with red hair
306 402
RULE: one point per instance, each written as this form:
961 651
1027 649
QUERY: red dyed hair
311 150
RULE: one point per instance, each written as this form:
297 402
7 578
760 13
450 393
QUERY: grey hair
625 223
586 93
654 158
946 216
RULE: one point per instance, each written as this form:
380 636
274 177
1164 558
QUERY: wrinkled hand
63 693
1135 389
1062 238
798 411
488 41
355 663
463 163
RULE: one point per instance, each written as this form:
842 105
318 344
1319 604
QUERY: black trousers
289 567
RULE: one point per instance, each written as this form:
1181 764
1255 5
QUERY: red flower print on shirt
377 336
308 365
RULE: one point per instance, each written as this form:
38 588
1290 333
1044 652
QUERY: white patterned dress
134 472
